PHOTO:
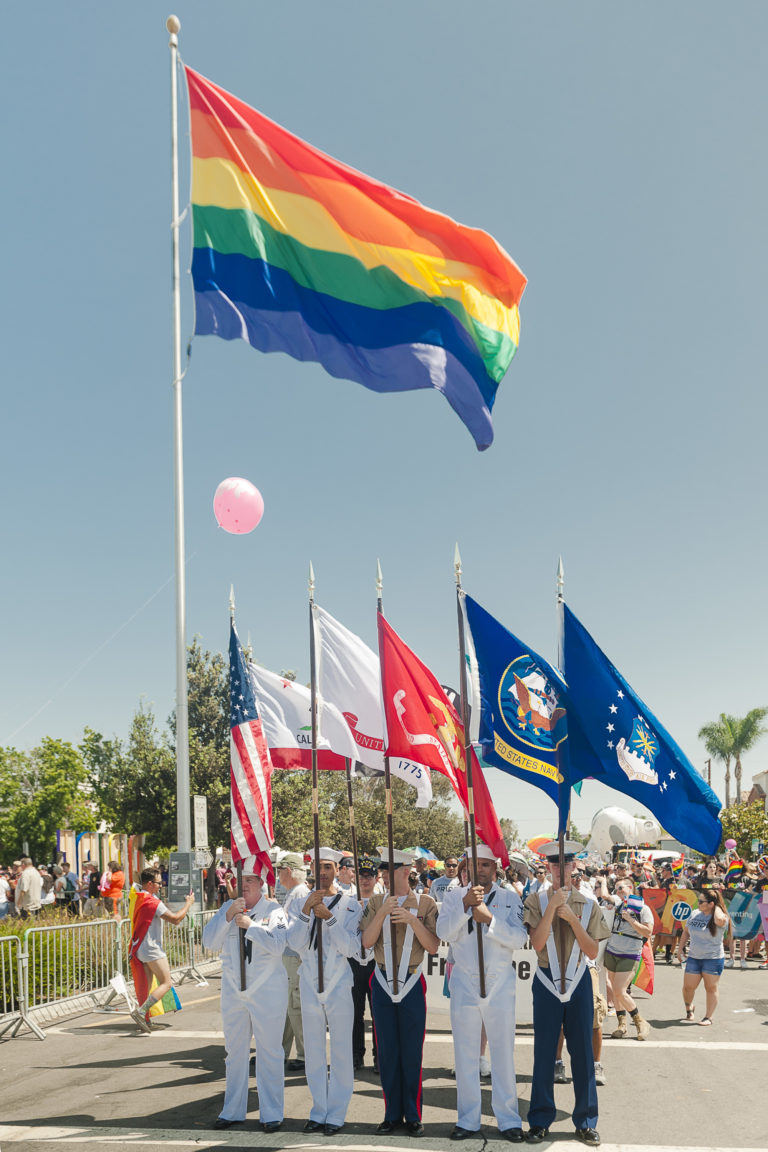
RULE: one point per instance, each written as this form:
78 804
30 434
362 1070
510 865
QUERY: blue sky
614 150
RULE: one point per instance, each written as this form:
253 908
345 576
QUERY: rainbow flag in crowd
734 871
677 866
295 252
646 970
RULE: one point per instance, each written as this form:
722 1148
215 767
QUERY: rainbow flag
295 252
646 970
677 866
735 869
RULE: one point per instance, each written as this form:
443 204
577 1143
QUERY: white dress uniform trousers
496 1011
331 1010
259 1010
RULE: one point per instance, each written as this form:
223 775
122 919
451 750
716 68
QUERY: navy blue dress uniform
400 1018
572 1009
362 974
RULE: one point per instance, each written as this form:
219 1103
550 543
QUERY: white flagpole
183 816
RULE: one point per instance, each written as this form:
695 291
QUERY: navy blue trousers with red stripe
400 1032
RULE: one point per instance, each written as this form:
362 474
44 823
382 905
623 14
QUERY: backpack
69 884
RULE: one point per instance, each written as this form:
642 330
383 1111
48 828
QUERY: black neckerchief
486 901
313 929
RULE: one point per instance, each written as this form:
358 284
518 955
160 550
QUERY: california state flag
423 726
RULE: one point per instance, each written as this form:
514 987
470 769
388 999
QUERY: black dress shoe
588 1136
513 1135
313 1126
387 1127
414 1127
272 1126
332 1129
536 1134
294 1065
464 1134
222 1123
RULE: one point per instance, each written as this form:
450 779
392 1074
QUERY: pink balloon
237 505
730 844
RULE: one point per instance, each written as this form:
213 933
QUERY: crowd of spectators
27 890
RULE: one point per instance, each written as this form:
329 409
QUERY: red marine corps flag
250 768
424 727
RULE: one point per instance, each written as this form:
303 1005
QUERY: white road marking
252 1138
445 1038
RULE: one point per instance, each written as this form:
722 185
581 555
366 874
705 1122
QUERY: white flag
286 719
348 678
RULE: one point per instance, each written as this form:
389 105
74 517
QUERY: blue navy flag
614 737
523 725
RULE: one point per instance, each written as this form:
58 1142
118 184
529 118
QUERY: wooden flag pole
239 865
463 688
388 802
315 797
352 829
561 782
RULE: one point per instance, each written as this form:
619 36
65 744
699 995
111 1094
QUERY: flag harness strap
404 981
577 964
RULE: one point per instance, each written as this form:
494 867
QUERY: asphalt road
95 1083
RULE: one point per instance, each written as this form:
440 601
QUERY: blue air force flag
614 737
523 727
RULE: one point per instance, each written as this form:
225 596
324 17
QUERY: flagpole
239 865
315 798
352 829
183 816
561 832
463 688
388 802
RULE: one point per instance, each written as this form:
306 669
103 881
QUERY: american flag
250 767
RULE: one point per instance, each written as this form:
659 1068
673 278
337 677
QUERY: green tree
718 741
437 827
745 823
53 794
13 767
746 730
509 830
208 688
729 738
135 784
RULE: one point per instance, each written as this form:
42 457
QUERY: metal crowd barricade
13 998
54 963
68 961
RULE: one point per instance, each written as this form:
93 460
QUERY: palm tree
718 741
745 733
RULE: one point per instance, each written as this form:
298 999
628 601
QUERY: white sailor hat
252 866
398 857
551 850
486 853
329 854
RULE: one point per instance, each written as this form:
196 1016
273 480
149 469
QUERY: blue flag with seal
523 727
614 737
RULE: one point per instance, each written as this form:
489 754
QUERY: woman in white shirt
706 955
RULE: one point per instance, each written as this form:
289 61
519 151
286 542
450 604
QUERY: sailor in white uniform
498 913
260 1009
333 1008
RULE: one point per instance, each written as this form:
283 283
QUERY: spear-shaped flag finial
311 581
232 603
560 580
457 565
